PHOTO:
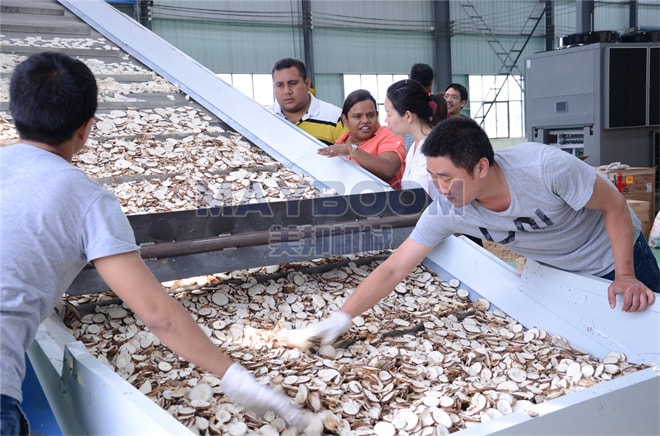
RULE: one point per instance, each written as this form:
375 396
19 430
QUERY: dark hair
410 95
461 140
50 96
441 112
460 88
355 97
423 73
285 63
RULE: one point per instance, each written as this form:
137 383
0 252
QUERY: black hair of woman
409 95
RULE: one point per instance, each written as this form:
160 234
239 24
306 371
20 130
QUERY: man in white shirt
297 104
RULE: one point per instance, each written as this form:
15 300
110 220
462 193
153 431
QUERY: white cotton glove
244 390
327 331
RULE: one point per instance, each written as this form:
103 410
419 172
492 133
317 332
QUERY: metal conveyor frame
282 140
625 405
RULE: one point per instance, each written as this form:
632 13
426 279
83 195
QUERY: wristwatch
354 147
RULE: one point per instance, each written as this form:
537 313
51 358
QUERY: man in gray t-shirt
545 218
535 199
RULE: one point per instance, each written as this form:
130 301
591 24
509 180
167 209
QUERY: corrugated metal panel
240 37
471 55
246 11
501 17
227 48
389 14
505 23
370 52
649 14
329 87
231 36
372 37
612 16
565 17
608 15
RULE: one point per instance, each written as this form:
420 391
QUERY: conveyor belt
282 140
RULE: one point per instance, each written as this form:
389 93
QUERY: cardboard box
633 180
636 183
641 209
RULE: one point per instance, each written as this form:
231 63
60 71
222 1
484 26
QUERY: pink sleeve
392 142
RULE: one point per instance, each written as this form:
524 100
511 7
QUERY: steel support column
549 25
634 15
584 15
308 39
442 39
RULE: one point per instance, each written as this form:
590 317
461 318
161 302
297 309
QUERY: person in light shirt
409 110
412 110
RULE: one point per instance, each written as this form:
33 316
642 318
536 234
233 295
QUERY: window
496 102
256 86
376 84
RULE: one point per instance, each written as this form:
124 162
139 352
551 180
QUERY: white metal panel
626 405
559 302
282 140
86 396
97 401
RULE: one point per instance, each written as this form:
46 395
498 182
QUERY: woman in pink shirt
367 143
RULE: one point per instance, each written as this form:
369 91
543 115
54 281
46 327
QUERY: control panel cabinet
599 101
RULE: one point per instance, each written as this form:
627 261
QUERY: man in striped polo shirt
295 103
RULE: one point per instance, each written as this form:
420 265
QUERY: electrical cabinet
600 102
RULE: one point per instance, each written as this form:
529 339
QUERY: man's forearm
620 231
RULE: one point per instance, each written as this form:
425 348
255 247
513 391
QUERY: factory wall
374 36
